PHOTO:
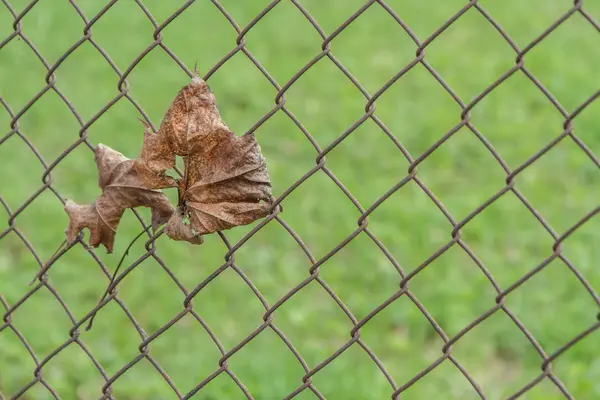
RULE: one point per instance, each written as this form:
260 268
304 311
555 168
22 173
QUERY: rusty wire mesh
305 383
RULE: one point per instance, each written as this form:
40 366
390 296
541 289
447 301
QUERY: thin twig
112 279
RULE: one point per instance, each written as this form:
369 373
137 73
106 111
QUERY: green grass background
470 55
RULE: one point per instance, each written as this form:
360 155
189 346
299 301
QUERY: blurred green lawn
470 55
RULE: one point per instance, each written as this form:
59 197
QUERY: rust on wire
305 383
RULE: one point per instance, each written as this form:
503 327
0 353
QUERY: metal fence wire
305 383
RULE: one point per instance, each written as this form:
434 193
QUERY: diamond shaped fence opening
470 272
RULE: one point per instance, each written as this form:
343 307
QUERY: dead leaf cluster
225 181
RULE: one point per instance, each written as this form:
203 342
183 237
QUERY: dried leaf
156 158
227 185
225 181
178 229
121 189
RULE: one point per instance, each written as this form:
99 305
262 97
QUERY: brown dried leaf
156 158
225 182
191 119
177 229
228 185
121 189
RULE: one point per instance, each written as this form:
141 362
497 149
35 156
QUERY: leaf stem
183 186
114 276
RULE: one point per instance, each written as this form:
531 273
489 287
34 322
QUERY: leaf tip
196 76
76 224
144 123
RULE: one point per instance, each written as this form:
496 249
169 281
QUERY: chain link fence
305 382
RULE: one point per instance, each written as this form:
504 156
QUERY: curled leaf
156 158
178 229
230 185
121 189
225 181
